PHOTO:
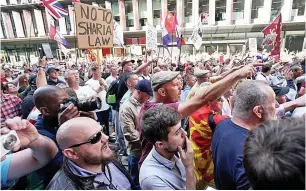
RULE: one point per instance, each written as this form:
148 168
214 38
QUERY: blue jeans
133 170
119 133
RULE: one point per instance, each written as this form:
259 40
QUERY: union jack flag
54 8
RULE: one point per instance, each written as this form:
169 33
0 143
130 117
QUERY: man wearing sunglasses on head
88 160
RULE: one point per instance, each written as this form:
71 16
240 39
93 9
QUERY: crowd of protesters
235 123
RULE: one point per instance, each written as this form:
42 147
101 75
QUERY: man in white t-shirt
113 76
264 74
91 89
99 86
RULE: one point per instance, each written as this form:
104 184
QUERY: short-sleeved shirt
5 165
227 153
146 146
159 173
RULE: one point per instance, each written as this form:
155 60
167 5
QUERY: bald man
47 100
88 160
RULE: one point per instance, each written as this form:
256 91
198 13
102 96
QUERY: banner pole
99 62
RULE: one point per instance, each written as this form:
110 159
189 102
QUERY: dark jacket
47 172
51 82
27 104
65 179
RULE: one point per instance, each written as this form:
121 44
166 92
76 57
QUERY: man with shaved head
47 100
88 160
253 104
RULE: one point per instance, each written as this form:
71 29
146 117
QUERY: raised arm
39 149
214 91
142 66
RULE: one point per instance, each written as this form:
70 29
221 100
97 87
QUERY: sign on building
94 26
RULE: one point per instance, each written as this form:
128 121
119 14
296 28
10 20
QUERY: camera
8 142
82 105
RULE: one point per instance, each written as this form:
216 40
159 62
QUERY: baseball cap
125 62
279 91
7 69
51 69
32 80
144 86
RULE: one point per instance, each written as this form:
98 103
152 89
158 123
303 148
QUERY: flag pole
171 47
181 47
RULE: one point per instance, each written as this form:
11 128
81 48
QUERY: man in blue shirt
48 100
39 151
253 104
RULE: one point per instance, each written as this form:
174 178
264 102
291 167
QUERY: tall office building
227 23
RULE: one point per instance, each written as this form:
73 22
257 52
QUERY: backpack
111 94
116 91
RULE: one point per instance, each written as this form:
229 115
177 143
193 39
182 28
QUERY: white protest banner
253 45
151 38
94 26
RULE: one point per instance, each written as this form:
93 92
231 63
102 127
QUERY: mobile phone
8 142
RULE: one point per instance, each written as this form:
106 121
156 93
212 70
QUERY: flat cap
162 77
200 73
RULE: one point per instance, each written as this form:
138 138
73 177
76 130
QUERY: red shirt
146 146
10 106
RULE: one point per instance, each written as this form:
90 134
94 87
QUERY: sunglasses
93 140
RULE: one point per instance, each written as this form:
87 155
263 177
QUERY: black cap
279 91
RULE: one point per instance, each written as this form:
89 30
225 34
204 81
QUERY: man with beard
88 163
47 100
166 90
162 170
254 103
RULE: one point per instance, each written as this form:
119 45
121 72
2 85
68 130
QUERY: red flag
170 23
183 41
275 28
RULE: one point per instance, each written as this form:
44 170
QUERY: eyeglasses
93 140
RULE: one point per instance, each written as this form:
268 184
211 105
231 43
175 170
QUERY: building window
172 6
187 11
257 8
294 42
276 8
222 48
235 48
115 9
142 8
298 8
156 4
220 10
129 13
238 10
204 11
